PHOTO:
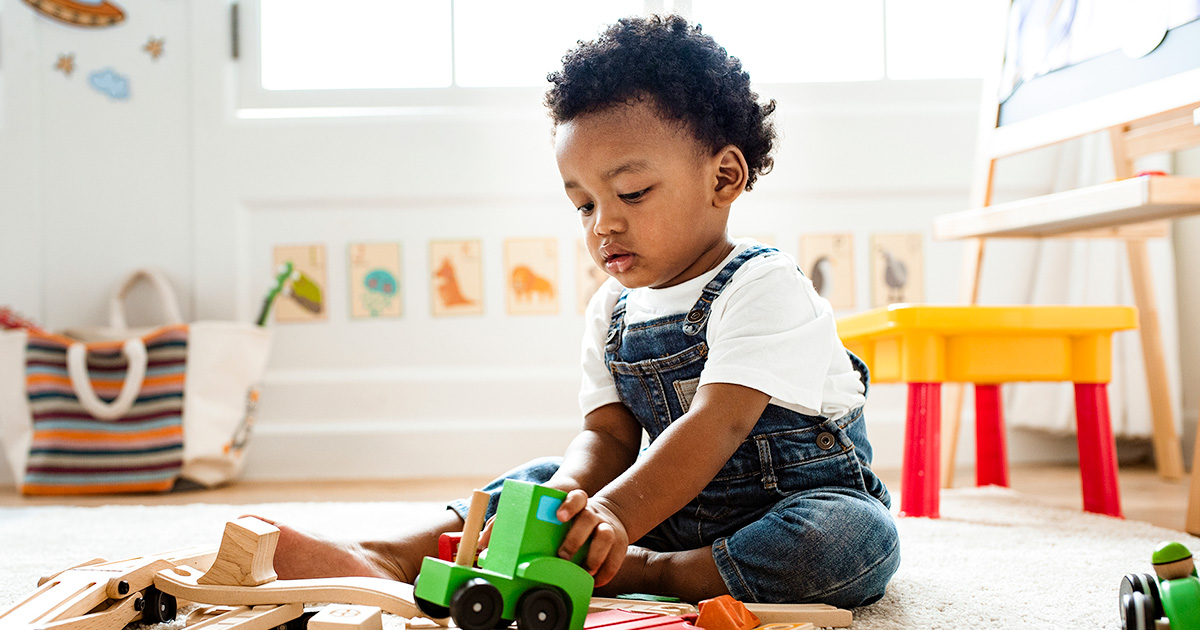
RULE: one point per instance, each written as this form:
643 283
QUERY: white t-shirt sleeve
598 388
770 331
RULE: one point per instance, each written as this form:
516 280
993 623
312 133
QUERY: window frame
251 101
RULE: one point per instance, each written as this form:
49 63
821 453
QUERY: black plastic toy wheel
158 606
432 610
477 605
1136 611
542 609
1144 583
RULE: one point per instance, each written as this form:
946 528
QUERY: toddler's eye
586 209
634 196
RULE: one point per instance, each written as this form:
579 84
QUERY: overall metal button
695 316
826 441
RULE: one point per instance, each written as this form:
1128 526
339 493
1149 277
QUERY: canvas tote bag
129 410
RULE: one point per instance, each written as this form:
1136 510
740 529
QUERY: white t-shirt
768 330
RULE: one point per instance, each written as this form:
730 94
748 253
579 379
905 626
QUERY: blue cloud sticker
110 84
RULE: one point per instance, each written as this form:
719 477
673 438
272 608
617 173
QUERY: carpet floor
996 559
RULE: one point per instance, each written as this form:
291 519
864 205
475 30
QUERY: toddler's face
644 189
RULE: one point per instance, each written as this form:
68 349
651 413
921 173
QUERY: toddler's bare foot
301 555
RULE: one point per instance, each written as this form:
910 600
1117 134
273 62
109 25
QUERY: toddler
756 481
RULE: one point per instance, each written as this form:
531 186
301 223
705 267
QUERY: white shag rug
996 559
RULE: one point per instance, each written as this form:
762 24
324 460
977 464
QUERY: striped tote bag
129 415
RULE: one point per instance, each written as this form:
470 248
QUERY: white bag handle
166 296
135 352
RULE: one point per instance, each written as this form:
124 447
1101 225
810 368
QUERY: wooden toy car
520 576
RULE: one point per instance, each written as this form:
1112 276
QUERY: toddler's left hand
594 521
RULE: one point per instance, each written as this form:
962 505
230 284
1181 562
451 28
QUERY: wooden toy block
448 545
657 608
347 617
822 615
787 626
725 613
256 618
615 619
246 555
393 597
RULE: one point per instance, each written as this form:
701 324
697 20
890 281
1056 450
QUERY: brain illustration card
897 269
531 276
303 296
457 284
375 280
828 260
588 276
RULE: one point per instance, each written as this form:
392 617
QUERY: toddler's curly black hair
685 73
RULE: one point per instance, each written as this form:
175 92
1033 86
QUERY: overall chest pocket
660 389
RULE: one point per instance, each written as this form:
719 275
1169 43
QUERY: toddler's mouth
616 259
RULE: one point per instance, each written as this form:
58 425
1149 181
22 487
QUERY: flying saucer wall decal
91 13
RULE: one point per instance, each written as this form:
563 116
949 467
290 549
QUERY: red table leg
991 452
1097 451
921 477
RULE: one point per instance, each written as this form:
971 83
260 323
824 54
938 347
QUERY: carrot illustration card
303 296
531 276
457 268
375 280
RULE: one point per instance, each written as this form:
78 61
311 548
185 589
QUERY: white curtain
1084 271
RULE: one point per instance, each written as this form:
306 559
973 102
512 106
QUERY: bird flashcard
375 280
304 294
531 276
588 275
897 269
828 261
457 268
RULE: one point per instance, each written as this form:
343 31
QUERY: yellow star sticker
154 47
66 64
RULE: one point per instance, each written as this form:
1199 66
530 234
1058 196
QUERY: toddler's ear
732 173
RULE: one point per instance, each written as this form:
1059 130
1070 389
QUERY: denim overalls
795 515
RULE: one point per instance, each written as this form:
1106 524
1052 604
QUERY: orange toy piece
725 613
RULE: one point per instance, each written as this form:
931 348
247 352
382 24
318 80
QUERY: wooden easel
1152 118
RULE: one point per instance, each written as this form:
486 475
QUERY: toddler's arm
679 464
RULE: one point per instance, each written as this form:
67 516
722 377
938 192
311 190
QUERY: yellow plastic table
926 345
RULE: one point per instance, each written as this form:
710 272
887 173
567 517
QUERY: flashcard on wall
588 276
303 298
375 280
828 260
457 277
897 269
531 276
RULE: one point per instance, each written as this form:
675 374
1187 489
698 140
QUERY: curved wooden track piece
389 595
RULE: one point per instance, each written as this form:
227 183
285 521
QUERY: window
435 53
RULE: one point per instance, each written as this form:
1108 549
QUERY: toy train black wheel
1146 584
158 606
542 609
477 605
1136 611
430 609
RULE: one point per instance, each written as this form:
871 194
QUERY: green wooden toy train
520 576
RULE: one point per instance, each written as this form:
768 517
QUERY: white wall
90 188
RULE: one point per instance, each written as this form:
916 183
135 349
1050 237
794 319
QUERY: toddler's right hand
593 520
